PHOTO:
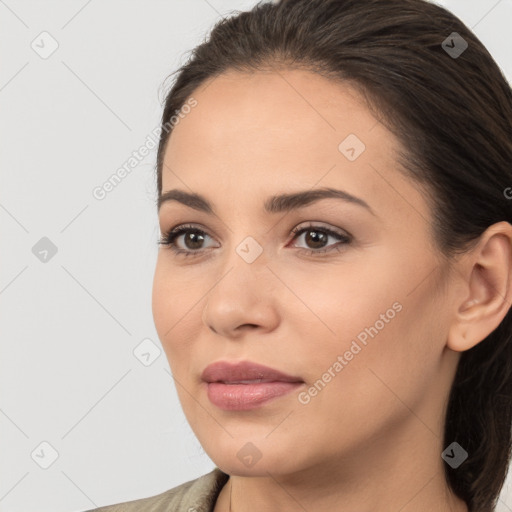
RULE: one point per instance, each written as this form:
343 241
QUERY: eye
193 238
320 236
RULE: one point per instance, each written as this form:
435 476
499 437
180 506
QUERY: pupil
319 236
194 238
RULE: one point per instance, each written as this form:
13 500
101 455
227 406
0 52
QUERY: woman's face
356 315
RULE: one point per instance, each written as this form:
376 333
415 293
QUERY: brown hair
452 114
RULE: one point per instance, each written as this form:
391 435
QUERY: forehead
252 134
289 107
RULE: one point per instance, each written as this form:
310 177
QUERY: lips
244 372
244 386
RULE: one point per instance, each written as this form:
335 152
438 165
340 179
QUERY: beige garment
197 495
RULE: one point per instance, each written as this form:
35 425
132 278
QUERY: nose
242 300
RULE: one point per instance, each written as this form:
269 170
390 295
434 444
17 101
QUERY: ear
486 294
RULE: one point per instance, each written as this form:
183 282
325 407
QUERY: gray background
70 323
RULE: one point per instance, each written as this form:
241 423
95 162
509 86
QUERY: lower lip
243 397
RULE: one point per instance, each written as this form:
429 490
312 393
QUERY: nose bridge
247 262
248 242
243 290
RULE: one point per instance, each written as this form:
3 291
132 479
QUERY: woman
333 285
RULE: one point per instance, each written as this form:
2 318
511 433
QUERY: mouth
246 385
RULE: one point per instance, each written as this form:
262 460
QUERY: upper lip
224 371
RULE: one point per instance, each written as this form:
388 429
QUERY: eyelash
168 239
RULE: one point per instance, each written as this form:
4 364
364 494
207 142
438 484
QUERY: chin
233 466
251 456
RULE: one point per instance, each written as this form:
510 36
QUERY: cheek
170 297
176 308
168 301
363 336
330 309
357 389
160 300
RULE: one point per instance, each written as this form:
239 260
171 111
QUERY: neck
404 473
235 499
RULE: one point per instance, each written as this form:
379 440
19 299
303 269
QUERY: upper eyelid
310 224
295 231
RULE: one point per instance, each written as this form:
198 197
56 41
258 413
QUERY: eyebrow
274 204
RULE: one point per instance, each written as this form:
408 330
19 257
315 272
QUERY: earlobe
486 295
